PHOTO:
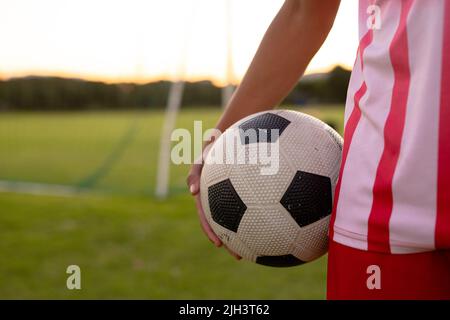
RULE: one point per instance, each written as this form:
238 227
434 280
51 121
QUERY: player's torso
393 185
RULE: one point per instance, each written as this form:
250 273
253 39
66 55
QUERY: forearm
294 36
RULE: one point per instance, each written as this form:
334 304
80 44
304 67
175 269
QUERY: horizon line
140 79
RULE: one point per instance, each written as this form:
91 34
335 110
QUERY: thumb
193 180
194 188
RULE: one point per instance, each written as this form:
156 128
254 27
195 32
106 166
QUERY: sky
148 40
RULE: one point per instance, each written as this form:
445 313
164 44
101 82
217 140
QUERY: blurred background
88 93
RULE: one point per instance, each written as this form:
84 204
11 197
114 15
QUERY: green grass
127 244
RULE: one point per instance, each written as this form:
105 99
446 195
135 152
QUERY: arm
294 36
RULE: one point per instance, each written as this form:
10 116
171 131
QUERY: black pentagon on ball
287 260
261 124
226 207
308 198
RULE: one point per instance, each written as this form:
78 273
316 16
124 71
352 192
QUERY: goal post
170 117
175 99
228 89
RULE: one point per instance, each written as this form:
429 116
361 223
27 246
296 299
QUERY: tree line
55 93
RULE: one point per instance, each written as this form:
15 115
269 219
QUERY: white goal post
174 104
170 117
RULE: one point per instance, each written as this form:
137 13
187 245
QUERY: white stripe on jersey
353 208
413 218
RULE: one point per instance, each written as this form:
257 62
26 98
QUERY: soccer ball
276 212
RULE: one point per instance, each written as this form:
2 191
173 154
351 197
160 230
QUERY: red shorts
357 274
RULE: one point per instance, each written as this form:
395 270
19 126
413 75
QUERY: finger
205 225
194 184
193 180
194 188
234 254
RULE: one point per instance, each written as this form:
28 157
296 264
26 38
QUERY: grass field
128 244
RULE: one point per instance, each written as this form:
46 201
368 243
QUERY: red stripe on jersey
442 234
350 127
380 214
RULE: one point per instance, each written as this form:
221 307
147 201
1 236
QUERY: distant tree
202 93
329 87
337 84
54 93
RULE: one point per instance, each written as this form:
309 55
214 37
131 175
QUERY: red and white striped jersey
393 194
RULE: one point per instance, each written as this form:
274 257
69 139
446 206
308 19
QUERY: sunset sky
145 40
